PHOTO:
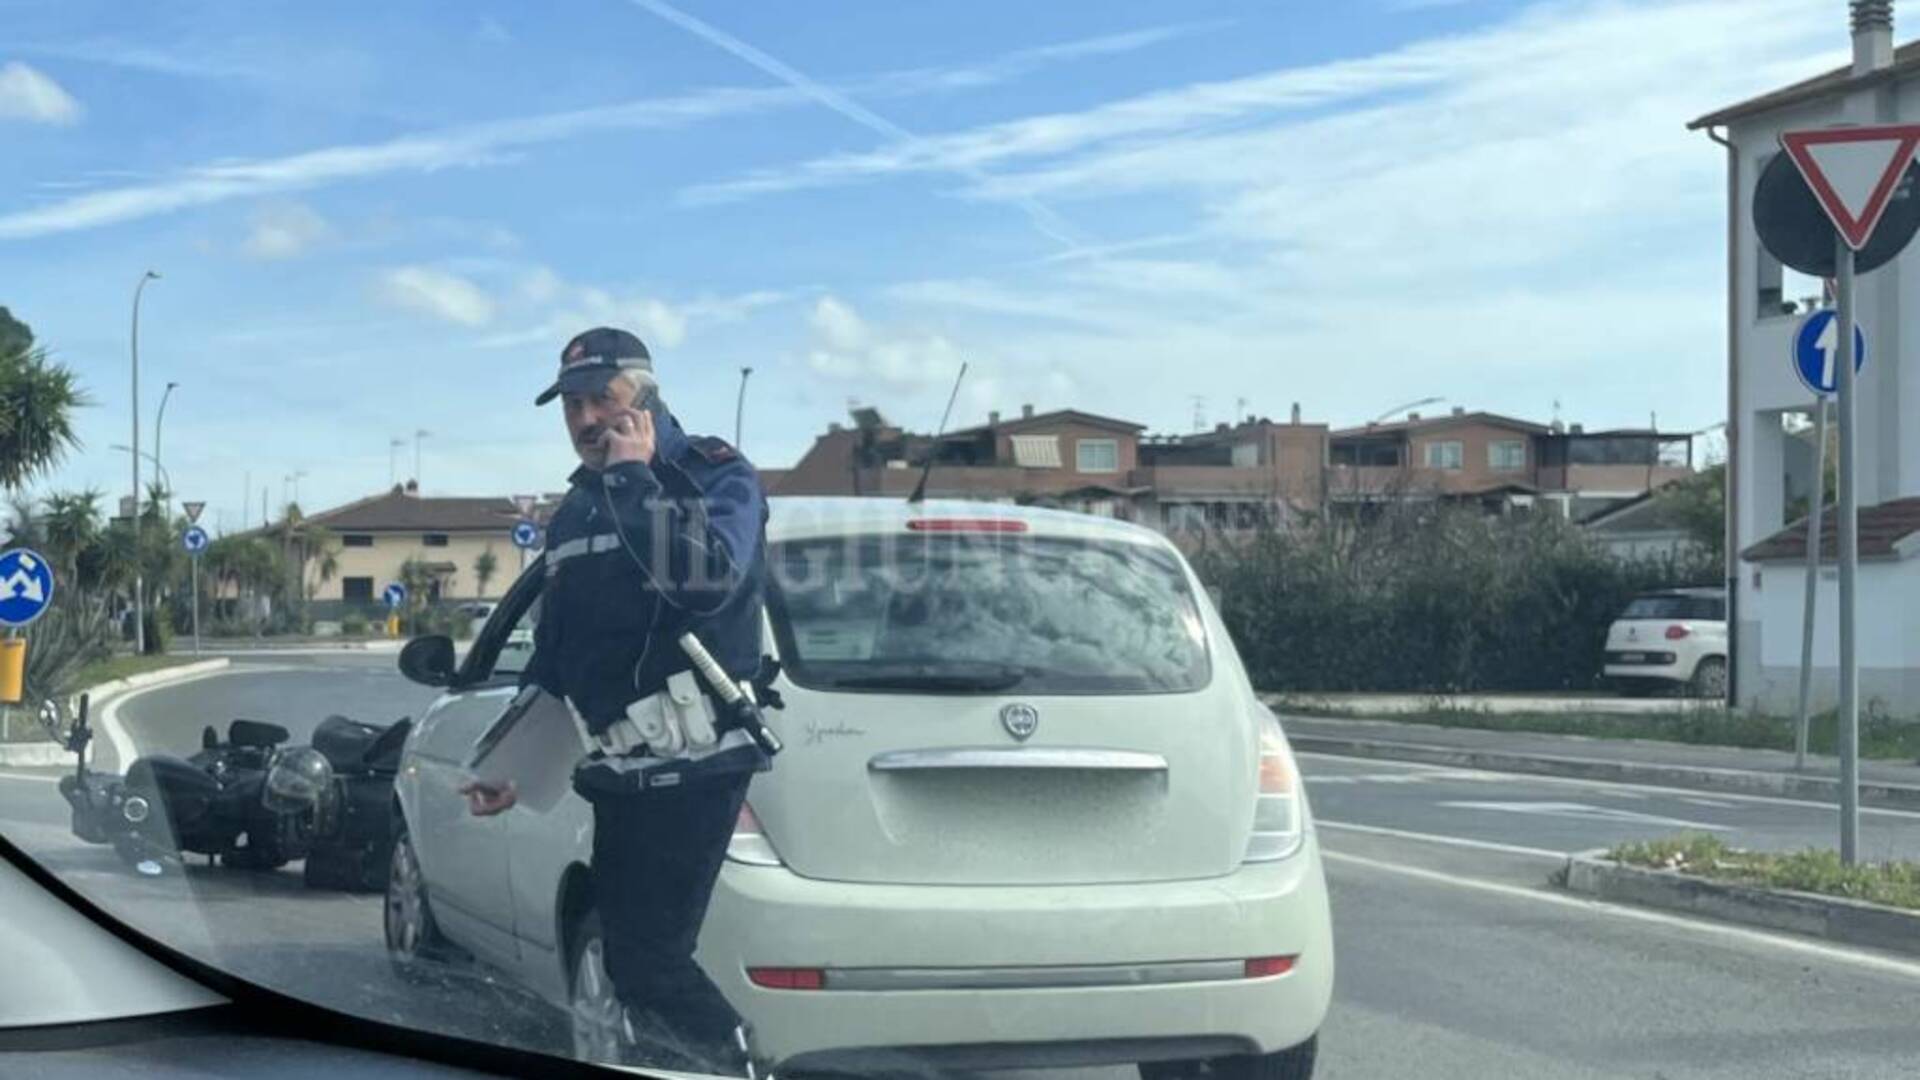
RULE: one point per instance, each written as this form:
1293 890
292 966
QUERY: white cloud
554 309
437 293
29 94
284 231
492 32
1021 61
846 348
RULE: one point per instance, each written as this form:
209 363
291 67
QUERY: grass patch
1881 736
119 667
1895 884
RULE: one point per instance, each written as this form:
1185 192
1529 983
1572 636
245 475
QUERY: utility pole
418 434
393 451
1849 563
1801 718
139 585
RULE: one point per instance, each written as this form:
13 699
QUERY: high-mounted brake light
971 525
1676 632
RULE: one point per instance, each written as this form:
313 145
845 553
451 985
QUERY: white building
1766 576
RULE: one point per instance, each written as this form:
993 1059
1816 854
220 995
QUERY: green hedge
1429 600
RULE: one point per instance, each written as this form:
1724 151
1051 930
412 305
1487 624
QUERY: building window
1509 455
355 540
1246 455
434 540
356 590
1097 455
1444 455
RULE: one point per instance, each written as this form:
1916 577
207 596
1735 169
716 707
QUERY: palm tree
70 521
37 399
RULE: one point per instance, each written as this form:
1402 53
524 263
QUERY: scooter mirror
54 719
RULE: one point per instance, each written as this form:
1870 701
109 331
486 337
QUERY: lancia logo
1020 719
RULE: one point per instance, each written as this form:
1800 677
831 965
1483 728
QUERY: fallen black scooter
249 801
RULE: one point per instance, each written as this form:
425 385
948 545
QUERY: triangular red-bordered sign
1853 171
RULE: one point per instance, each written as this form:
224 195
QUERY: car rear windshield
985 614
1676 607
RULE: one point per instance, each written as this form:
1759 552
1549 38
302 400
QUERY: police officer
660 533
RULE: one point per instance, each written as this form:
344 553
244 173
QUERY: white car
1030 813
1675 637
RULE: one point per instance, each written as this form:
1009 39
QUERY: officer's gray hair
640 381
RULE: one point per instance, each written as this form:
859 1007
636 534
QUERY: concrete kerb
47 752
1695 777
1832 918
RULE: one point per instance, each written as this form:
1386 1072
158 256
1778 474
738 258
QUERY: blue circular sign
26 586
526 534
194 539
394 594
1816 353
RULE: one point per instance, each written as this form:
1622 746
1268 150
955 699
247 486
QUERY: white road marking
1584 812
1432 838
1777 943
35 777
1619 785
1713 803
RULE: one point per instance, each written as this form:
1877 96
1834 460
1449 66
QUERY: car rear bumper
990 976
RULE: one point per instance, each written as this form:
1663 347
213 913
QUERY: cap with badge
594 357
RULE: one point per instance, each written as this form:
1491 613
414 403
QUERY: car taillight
750 844
976 525
1277 811
1676 632
1261 967
774 978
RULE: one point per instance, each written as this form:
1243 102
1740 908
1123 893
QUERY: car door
466 859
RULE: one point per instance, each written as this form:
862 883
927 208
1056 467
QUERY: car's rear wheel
1710 678
594 1012
414 941
1293 1063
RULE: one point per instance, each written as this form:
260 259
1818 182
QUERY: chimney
834 428
1296 414
1413 418
413 487
1872 35
993 418
1574 429
1459 410
1026 412
1219 428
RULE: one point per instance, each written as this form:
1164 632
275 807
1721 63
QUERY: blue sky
374 219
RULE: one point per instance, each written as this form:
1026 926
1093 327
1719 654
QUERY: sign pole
1819 497
194 562
1849 555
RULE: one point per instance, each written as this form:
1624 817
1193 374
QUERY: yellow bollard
13 670
393 626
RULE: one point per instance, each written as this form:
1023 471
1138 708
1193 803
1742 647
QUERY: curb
1695 777
254 648
47 752
1835 919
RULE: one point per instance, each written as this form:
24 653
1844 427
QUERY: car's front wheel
1293 1063
414 941
1710 678
594 1012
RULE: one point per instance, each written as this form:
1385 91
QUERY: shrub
354 624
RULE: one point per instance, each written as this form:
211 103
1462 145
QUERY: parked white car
1675 637
1030 813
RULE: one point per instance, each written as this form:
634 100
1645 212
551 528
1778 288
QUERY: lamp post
418 434
393 451
739 405
139 604
166 481
160 417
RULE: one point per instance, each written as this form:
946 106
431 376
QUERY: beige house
376 535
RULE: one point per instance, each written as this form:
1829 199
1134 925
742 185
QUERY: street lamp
1398 409
393 449
160 418
739 405
165 480
139 604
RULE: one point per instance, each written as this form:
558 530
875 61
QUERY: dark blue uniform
636 555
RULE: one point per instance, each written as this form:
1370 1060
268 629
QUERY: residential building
377 534
1881 85
1643 527
1240 475
1500 463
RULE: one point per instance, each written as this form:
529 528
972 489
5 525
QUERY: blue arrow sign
394 594
26 587
526 534
1816 352
194 539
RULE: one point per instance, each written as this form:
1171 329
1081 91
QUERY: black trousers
655 859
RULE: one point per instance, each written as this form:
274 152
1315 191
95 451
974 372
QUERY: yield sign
1853 171
193 510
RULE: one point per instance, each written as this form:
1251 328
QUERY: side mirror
54 719
428 660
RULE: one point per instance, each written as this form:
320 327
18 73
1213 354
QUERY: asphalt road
1455 958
